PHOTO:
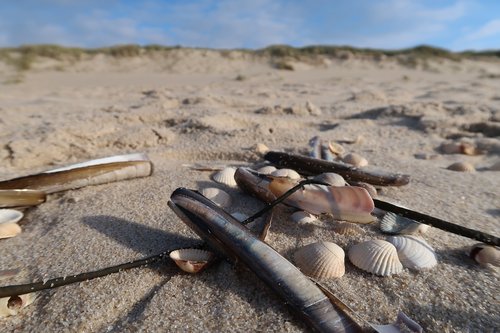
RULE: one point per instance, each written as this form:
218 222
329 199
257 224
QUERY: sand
204 107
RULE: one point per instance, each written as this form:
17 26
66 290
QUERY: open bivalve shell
191 260
225 176
10 306
288 173
331 179
8 222
321 260
485 254
217 195
414 252
376 256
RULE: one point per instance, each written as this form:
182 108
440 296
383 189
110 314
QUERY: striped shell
461 167
267 170
321 260
225 176
217 195
485 254
288 173
355 159
395 224
301 217
414 252
376 256
347 229
191 260
331 179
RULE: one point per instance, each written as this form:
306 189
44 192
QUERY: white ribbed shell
217 195
414 252
225 176
321 260
376 256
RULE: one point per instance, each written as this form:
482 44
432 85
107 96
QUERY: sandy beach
213 107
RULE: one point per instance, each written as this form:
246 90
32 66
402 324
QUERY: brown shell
321 260
461 167
191 260
485 254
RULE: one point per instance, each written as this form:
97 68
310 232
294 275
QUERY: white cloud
488 30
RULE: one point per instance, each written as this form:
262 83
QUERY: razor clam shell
315 144
267 170
191 260
104 160
56 181
301 217
10 306
414 252
395 224
485 254
225 176
321 260
375 256
10 216
218 196
288 173
331 178
21 198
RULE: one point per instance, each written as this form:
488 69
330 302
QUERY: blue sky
391 24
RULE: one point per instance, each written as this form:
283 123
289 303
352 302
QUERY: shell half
395 224
10 306
485 254
461 167
301 217
287 173
8 222
225 176
221 198
321 260
331 179
191 260
355 159
414 252
376 256
267 170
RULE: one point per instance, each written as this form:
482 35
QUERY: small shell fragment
347 229
414 252
221 198
191 260
465 148
331 179
321 260
10 306
267 170
461 167
376 256
288 173
225 176
395 224
355 159
485 254
301 217
261 148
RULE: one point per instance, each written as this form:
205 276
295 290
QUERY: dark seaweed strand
21 289
438 223
281 199
312 166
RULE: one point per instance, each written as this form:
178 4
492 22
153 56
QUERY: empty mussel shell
485 254
10 306
414 252
376 256
395 224
225 176
191 260
321 260
217 195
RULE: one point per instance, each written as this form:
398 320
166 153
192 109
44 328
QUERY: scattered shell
10 216
261 148
288 173
485 254
225 176
217 195
10 306
461 167
355 159
495 167
465 148
347 229
302 217
321 260
267 170
414 252
239 216
336 148
331 179
8 230
376 256
191 260
396 224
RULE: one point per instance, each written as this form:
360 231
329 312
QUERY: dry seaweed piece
311 166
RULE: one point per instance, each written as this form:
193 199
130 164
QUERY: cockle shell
414 252
376 256
461 167
331 179
485 254
10 306
217 195
355 159
302 217
288 173
347 229
225 176
191 260
8 222
267 170
395 224
321 260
